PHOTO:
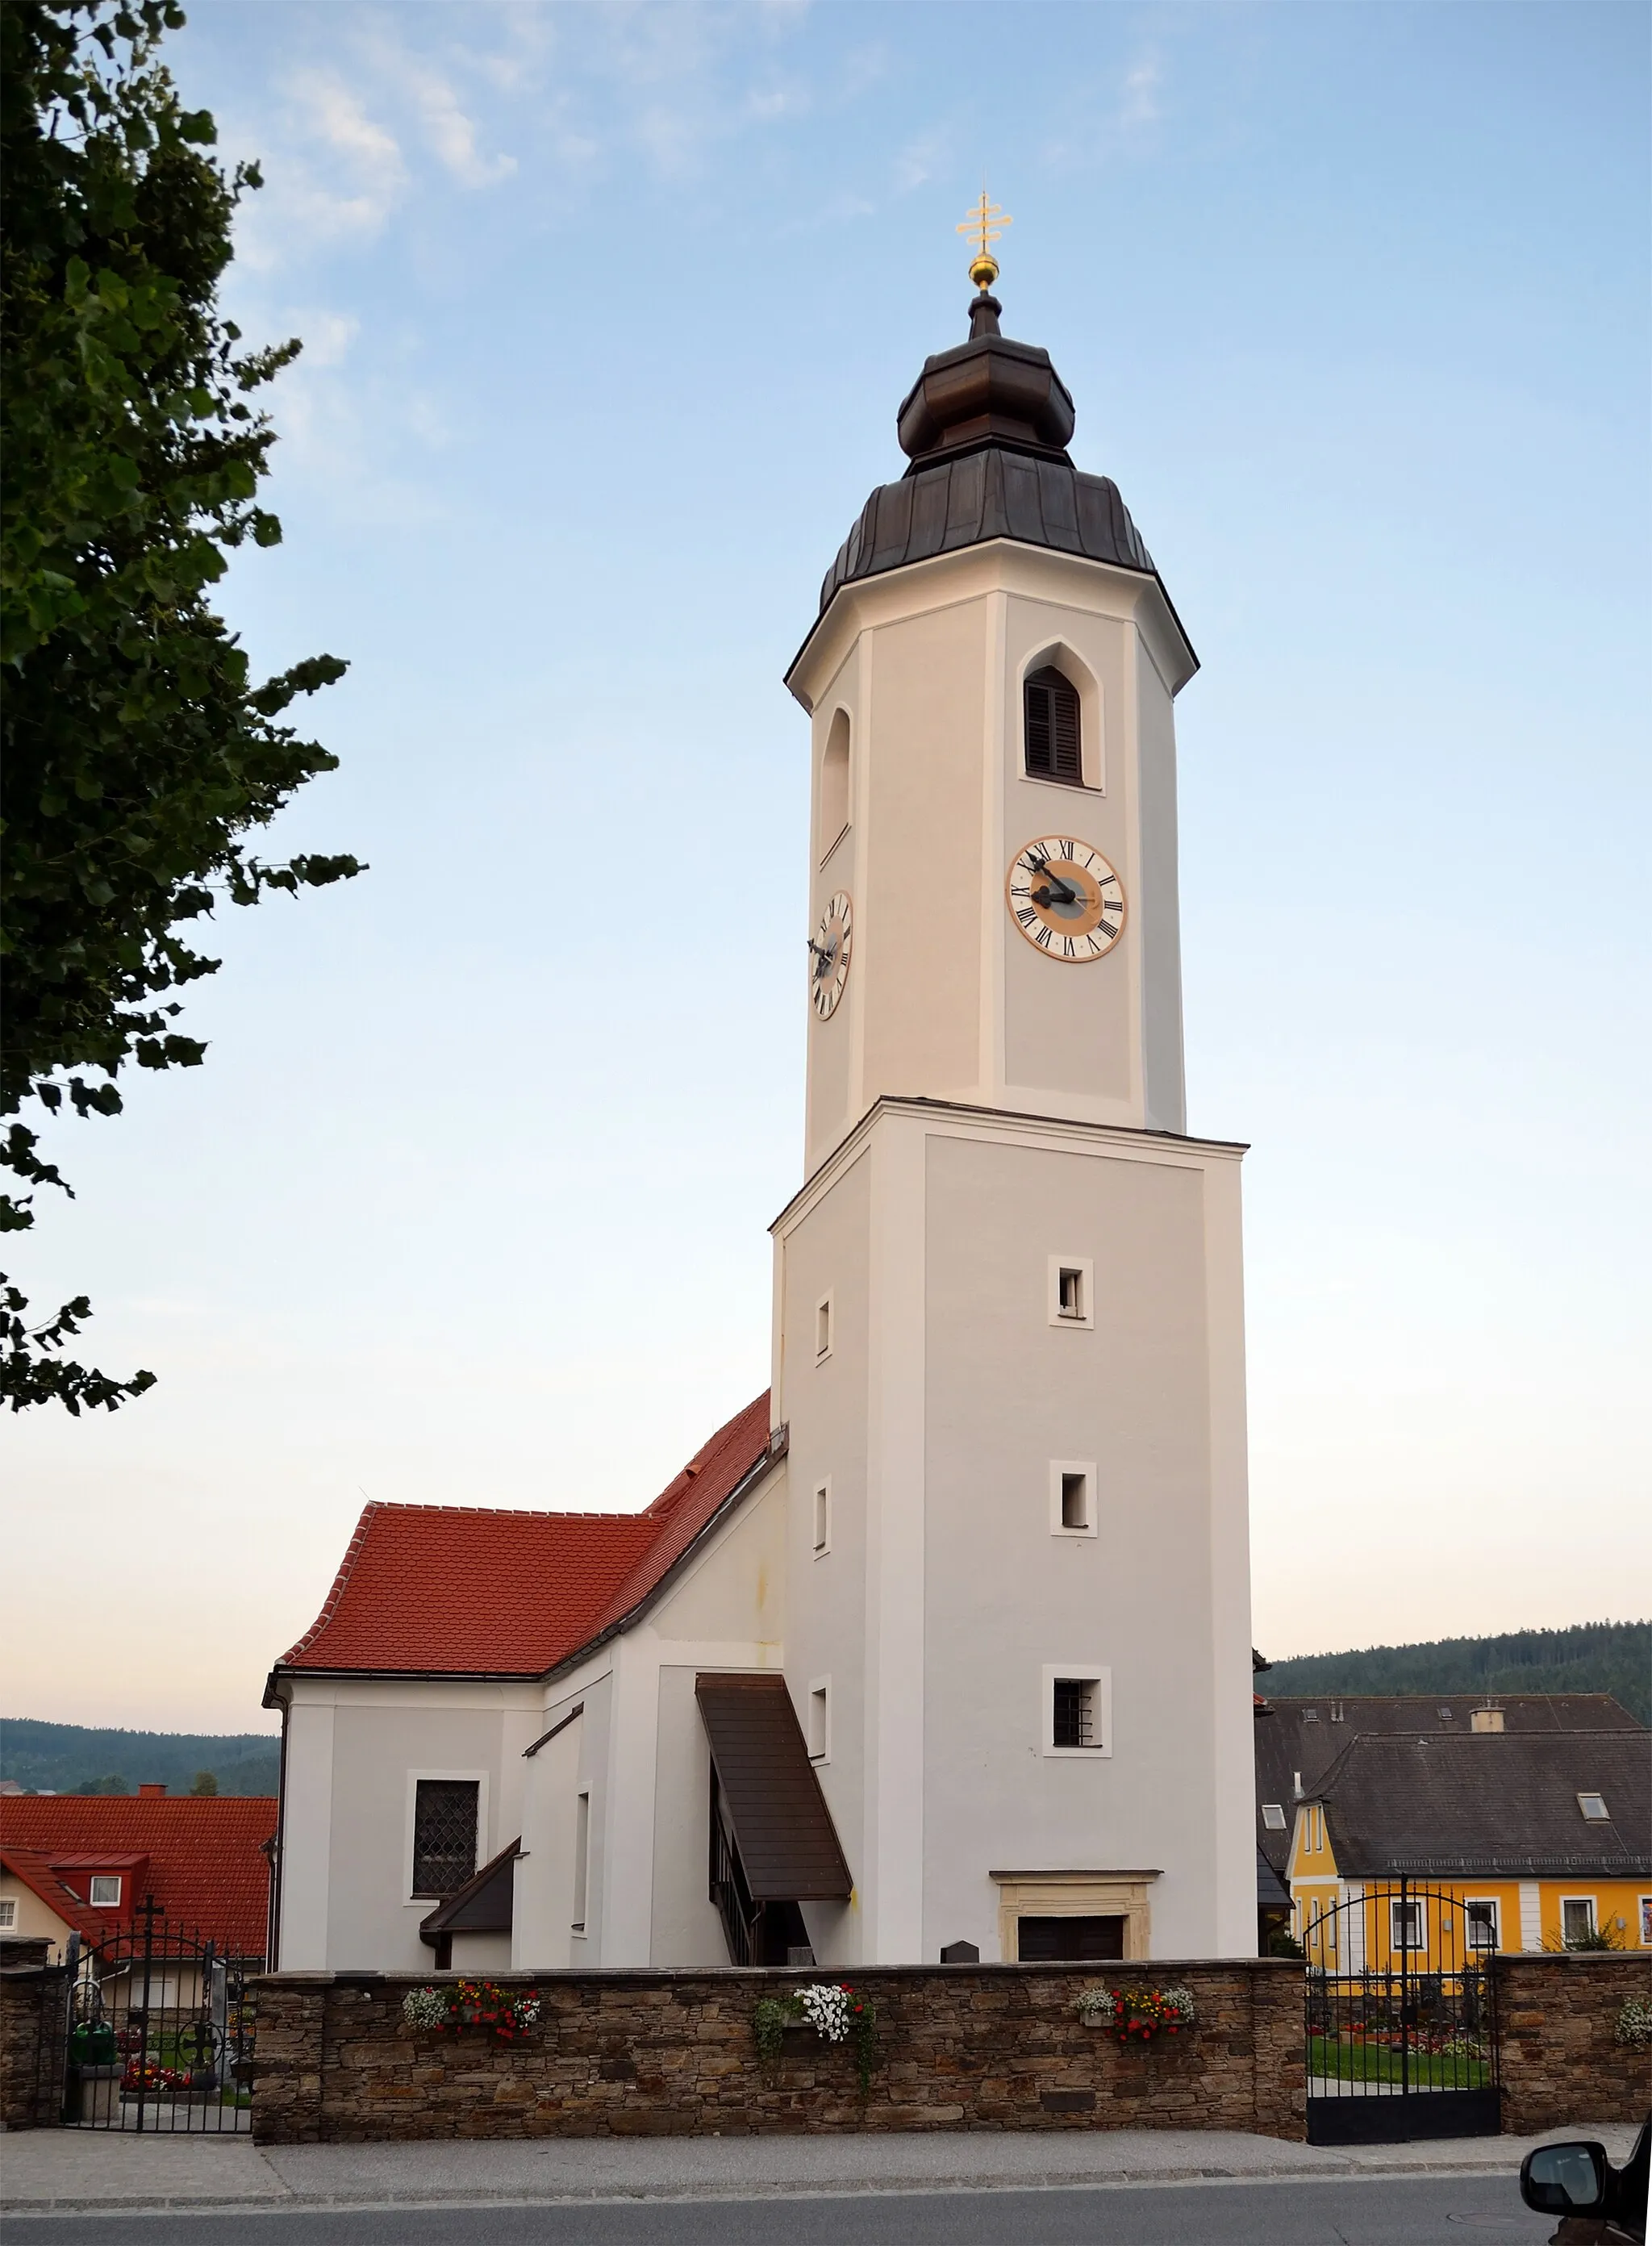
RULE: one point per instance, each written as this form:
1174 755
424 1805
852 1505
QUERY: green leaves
141 759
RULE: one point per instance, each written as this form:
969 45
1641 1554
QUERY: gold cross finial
986 222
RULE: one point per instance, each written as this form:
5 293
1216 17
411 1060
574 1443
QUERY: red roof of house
461 1590
205 1865
35 1871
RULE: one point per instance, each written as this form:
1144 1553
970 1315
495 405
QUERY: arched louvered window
1051 708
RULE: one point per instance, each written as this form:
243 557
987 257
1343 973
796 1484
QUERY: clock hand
1068 894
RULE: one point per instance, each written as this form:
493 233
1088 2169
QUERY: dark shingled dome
986 428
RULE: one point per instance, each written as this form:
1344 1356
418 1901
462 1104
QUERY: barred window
444 1818
1075 1713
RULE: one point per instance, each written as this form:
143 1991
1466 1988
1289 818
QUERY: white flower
1094 2004
1635 2021
826 2007
425 2008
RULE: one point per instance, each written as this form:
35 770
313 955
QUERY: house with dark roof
1523 1838
1300 1736
943 1643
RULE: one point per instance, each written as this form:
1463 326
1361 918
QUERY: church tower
1008 1317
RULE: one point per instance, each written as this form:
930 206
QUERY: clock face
829 949
1066 899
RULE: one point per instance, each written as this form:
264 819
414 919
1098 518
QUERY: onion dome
985 428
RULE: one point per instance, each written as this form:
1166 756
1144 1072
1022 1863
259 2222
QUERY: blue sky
608 310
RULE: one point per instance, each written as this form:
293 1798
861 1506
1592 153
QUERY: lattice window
445 1816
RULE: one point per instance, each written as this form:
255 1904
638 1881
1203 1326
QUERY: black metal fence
1400 2018
159 2031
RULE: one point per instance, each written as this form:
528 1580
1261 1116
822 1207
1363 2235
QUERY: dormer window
106 1890
1052 729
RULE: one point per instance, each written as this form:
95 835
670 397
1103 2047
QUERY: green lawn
1352 2060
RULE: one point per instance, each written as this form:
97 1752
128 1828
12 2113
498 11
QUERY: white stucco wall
940 1440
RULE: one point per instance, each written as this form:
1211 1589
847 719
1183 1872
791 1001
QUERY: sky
606 312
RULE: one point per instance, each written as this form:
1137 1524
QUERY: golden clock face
1066 899
829 949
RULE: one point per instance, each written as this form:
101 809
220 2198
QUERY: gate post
33 1995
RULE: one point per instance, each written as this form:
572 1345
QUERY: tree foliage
141 757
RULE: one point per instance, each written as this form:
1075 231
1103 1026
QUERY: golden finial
988 222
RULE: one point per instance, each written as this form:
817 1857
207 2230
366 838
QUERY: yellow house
1505 1840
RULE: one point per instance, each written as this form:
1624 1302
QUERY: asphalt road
1470 2210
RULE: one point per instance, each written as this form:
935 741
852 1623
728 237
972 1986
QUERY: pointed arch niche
1092 734
834 784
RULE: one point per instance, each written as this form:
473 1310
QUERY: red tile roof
206 1868
460 1591
35 1871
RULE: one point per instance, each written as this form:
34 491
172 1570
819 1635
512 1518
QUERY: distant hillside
1596 1657
69 1758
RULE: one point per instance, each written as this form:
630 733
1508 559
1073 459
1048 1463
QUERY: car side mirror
1566 2179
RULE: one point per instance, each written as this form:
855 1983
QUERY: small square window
1310 1715
7 1912
1274 1816
1594 1807
1446 1715
822 1518
1073 1497
1577 1919
1078 1709
106 1889
1071 1291
822 1329
820 1720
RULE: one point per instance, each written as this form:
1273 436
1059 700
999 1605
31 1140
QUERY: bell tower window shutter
1054 747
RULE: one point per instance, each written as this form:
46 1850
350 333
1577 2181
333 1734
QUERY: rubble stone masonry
638 2054
1562 2061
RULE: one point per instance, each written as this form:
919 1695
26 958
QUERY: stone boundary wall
31 2008
651 2053
1561 2062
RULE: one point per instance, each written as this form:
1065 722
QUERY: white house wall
353 1751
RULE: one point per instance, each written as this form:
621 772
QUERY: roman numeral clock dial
1066 899
829 949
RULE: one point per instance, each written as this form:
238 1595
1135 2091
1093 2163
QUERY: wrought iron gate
1401 2017
159 2031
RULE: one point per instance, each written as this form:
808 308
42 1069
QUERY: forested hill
1596 1657
69 1758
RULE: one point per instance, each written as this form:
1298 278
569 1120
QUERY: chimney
1296 1784
148 1790
1486 1719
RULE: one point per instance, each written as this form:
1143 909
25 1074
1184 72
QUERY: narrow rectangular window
582 1856
1406 1930
1577 1919
1071 1291
823 1328
1075 1713
445 1821
106 1889
822 1518
1075 1500
1482 1925
820 1719
1050 717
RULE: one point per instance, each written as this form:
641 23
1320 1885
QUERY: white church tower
1008 1314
